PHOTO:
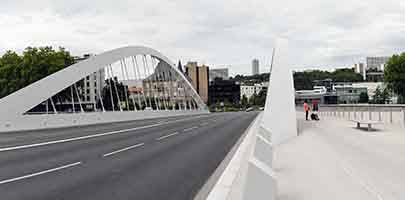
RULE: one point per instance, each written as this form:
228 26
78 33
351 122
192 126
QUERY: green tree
363 97
394 75
34 64
244 101
381 96
109 89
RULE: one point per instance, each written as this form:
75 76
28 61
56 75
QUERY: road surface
152 159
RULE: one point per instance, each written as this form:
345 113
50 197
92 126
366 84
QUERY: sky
321 33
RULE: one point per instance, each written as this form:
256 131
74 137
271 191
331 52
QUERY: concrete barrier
33 122
249 174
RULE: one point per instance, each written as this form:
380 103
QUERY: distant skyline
216 33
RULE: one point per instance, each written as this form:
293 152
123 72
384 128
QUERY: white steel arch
16 104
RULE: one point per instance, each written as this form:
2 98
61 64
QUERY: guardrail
390 114
249 174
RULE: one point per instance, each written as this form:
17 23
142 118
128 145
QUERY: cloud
218 33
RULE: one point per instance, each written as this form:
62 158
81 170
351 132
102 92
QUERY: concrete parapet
249 174
33 122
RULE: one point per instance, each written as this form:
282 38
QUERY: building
371 87
224 91
92 87
317 94
249 90
218 73
376 63
255 67
199 78
360 68
375 68
349 94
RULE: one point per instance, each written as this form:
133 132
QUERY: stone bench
368 122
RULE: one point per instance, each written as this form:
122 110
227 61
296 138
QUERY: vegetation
305 80
394 76
18 71
381 96
259 78
363 97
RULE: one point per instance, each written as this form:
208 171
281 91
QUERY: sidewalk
333 160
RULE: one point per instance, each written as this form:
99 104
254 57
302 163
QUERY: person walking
306 109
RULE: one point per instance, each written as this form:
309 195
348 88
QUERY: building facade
349 94
224 91
376 63
255 67
249 90
199 78
92 87
218 73
360 68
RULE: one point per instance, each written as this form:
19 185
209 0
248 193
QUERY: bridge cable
137 71
115 86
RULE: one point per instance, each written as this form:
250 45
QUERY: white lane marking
39 173
124 149
89 136
166 136
189 129
203 124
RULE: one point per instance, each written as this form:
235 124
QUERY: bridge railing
388 114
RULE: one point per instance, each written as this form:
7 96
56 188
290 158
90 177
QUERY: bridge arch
20 102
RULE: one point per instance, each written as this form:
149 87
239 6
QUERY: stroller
314 116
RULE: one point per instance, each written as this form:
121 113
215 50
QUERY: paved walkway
333 160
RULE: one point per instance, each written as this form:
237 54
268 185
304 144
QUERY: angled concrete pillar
280 116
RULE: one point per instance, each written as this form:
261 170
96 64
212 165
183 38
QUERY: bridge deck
333 160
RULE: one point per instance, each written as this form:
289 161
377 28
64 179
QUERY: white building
377 63
255 67
218 73
371 87
93 88
360 68
250 90
93 85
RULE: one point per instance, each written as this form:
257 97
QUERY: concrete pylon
279 117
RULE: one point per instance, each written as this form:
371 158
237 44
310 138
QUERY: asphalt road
152 159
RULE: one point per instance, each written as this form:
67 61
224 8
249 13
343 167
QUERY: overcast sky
322 33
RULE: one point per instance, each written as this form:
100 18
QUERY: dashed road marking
166 136
124 149
39 173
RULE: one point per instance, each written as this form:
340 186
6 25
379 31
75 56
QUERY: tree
381 96
394 75
244 101
34 64
109 89
363 97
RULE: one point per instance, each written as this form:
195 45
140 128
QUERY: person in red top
306 109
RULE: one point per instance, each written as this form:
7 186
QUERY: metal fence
389 114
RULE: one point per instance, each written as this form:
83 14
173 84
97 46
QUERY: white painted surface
279 117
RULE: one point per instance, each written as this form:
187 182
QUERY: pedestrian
315 104
306 109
